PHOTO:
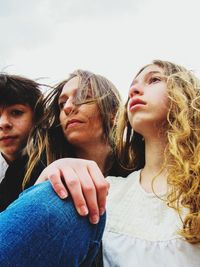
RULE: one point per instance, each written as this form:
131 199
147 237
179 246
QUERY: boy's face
16 121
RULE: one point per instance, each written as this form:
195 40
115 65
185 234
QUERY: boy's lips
7 140
7 137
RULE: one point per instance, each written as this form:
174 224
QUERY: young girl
154 214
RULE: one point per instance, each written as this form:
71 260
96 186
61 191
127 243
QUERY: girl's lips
136 103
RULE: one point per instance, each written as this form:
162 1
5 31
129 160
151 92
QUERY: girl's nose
135 89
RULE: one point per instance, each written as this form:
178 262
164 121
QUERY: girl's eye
154 80
17 112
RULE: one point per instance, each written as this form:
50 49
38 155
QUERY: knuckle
93 211
103 187
57 186
72 182
89 189
80 202
52 177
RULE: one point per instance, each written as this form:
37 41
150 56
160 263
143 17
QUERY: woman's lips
73 123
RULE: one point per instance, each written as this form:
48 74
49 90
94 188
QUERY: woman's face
148 104
81 124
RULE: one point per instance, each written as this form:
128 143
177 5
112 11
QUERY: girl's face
16 122
148 104
80 124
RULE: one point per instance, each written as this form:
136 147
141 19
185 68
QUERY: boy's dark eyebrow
148 74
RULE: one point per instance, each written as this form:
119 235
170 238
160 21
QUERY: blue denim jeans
39 229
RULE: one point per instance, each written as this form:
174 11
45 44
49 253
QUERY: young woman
78 123
153 214
18 113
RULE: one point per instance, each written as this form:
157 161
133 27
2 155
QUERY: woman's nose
69 106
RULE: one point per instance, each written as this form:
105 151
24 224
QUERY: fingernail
63 194
83 210
95 219
101 211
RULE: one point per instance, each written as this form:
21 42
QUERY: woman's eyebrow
61 97
64 94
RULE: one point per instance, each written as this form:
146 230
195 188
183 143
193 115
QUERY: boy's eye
17 112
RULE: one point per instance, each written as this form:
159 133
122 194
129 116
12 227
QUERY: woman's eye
88 96
61 104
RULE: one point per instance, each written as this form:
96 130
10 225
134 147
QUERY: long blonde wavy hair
182 153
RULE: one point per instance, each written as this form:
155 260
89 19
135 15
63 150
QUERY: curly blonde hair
182 153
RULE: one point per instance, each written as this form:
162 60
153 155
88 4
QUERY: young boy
18 113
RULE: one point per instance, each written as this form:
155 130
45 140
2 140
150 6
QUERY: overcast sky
114 38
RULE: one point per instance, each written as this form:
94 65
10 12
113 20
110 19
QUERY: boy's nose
5 123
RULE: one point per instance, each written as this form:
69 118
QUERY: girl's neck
96 152
154 159
154 153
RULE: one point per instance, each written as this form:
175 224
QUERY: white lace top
141 230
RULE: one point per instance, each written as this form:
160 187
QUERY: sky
48 39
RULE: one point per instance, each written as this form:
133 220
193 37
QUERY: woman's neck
96 152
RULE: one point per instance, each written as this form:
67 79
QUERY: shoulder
119 186
119 180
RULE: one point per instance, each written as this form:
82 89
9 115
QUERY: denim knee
39 229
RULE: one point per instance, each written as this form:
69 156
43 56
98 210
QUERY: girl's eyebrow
146 76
